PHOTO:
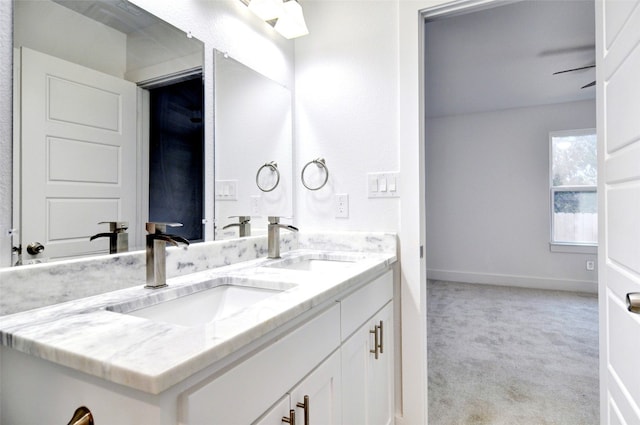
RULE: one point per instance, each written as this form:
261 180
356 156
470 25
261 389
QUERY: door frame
412 17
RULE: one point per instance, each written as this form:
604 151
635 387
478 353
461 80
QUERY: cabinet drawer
242 394
358 307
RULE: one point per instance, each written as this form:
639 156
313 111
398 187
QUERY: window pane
575 217
574 160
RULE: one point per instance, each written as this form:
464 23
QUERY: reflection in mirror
107 126
253 127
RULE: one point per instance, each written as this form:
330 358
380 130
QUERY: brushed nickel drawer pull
381 346
291 420
633 302
305 406
82 416
376 342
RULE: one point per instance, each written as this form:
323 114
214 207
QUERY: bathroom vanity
310 336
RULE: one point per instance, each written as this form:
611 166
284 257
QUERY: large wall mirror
108 126
254 160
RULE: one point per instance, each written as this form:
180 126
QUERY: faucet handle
116 226
241 218
275 219
155 227
170 239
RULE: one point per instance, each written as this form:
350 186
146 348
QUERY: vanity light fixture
291 24
284 15
267 10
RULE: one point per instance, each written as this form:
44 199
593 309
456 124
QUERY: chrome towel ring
320 162
273 166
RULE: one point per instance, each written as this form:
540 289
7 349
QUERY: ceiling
504 57
118 14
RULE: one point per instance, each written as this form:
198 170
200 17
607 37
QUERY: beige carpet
503 355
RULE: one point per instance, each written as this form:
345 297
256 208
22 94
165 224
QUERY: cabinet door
277 412
381 381
317 399
368 382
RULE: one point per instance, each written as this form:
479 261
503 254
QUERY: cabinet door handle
305 406
291 420
376 342
82 416
381 346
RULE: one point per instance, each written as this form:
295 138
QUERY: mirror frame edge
6 132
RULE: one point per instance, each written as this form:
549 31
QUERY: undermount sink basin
314 264
204 306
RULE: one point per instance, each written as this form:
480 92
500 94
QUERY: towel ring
321 164
273 166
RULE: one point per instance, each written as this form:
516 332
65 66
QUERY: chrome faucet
157 241
118 236
244 225
273 236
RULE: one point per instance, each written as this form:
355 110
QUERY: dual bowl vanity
308 337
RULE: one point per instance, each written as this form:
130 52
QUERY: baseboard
514 280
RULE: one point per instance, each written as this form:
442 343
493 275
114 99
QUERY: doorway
491 100
176 161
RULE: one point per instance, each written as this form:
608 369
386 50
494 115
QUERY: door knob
35 248
633 302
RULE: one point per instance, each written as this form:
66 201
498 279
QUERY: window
574 176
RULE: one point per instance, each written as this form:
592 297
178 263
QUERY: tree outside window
574 177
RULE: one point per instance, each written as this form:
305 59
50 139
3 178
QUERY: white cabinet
367 372
323 356
341 360
315 400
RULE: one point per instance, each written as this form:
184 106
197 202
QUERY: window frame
563 246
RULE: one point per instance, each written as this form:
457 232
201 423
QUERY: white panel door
78 155
618 85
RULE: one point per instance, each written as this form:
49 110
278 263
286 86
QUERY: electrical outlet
342 205
591 265
255 205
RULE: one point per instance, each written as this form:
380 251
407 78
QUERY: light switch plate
226 190
383 185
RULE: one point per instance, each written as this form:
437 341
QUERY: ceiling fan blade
574 69
591 84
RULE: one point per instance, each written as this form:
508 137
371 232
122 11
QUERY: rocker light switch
383 185
226 190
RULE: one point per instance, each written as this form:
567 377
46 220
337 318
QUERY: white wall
347 111
488 213
358 106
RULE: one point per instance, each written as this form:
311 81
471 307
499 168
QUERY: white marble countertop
93 336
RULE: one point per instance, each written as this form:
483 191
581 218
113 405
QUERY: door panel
68 100
623 346
616 14
618 61
82 161
623 83
78 155
624 233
